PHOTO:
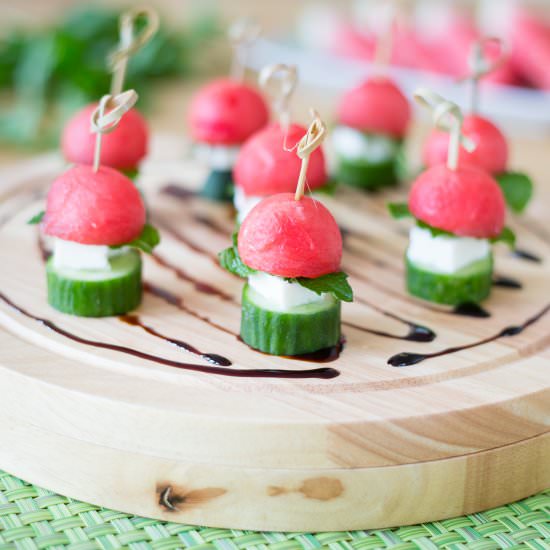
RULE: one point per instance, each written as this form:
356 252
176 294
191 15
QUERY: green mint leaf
399 210
332 283
37 218
145 241
517 189
507 236
329 188
435 231
231 261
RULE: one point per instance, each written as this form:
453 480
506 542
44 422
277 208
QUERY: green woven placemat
34 518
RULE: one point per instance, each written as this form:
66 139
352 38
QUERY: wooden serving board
374 446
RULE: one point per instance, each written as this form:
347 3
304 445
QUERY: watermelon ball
467 201
226 112
123 148
88 207
291 238
490 154
264 167
377 106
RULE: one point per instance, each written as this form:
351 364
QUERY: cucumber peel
218 186
470 284
88 293
303 329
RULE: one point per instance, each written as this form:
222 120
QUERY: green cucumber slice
366 175
303 329
218 186
89 293
470 284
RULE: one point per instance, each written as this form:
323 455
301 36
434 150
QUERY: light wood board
375 446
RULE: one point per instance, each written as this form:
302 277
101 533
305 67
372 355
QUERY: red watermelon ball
123 148
467 202
377 105
88 207
490 154
290 238
266 166
226 112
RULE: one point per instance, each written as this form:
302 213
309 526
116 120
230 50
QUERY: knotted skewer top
446 116
286 77
242 34
107 115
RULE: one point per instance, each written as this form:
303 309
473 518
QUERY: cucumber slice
97 293
367 175
470 284
219 186
303 329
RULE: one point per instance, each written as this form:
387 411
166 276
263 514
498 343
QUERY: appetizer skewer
222 116
372 121
125 147
459 211
267 163
491 151
289 247
96 218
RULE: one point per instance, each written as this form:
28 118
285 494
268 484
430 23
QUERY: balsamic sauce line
214 358
406 359
200 286
323 372
178 302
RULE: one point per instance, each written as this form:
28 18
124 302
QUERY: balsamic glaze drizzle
214 358
507 282
526 255
324 372
471 309
406 359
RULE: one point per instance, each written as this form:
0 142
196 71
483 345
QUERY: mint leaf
145 241
231 261
435 231
399 210
517 189
332 283
507 236
329 188
37 218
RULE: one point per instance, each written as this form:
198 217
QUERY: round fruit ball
123 148
490 154
291 238
378 106
226 112
268 164
467 202
88 207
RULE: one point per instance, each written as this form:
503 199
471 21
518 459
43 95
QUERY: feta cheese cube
445 254
244 203
279 294
72 255
352 144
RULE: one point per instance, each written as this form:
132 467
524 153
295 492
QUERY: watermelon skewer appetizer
267 163
96 218
372 122
127 146
289 247
491 151
223 115
459 211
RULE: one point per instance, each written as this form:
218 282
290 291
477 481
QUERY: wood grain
355 451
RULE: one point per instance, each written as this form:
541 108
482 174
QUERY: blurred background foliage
47 74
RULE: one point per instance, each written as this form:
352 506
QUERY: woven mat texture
33 518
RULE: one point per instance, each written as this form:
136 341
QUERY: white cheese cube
279 294
444 254
352 144
72 255
218 157
244 203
